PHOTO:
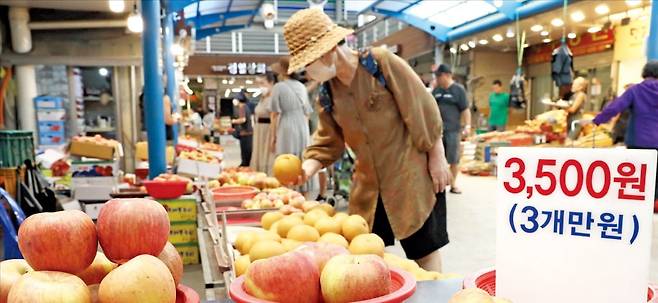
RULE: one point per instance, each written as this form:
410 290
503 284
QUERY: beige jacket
390 135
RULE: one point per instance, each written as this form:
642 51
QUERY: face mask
235 102
320 72
264 90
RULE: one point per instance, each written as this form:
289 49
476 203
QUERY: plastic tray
165 189
233 194
403 286
185 294
486 280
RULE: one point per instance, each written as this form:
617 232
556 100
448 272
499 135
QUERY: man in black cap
451 98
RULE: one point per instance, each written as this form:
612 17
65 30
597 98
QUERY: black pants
246 143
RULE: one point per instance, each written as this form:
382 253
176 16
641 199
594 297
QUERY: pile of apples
62 263
475 295
285 231
281 197
97 139
197 155
246 178
211 147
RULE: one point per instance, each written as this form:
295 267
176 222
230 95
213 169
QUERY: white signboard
574 225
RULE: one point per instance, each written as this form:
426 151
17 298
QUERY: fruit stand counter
426 292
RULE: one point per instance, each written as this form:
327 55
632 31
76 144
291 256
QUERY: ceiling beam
438 31
228 9
203 20
251 20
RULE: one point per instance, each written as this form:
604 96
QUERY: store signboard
574 225
633 37
584 44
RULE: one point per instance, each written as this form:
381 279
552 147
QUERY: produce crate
189 252
8 179
51 115
183 232
51 126
49 102
52 138
181 209
198 168
93 150
16 146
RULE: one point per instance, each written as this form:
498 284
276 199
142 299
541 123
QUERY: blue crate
52 138
49 102
51 126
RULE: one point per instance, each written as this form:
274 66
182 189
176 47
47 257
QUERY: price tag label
574 225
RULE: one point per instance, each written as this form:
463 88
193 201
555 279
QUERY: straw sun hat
310 34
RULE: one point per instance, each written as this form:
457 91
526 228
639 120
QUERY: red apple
349 278
321 252
98 269
10 272
49 287
60 241
93 291
143 279
131 227
287 169
170 257
290 278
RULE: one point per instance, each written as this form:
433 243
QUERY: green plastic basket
16 146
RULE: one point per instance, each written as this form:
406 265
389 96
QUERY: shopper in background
394 129
243 127
290 110
642 100
498 105
576 106
451 98
263 158
169 118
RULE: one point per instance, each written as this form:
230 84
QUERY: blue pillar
155 125
168 58
652 43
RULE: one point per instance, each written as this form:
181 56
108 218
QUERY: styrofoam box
49 102
51 115
87 165
92 192
198 168
93 181
51 126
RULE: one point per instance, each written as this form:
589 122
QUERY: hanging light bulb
544 33
116 6
577 16
537 28
484 42
509 33
464 47
471 44
602 9
571 35
594 29
199 79
135 22
453 50
497 37
557 22
547 40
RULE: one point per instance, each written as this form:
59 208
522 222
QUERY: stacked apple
254 179
197 155
475 295
62 263
283 198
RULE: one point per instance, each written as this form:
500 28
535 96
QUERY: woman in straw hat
393 125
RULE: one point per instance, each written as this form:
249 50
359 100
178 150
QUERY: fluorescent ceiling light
547 40
577 16
248 81
199 79
224 81
557 22
602 9
484 41
471 44
509 33
464 47
497 37
103 71
571 35
544 33
453 50
537 28
227 93
236 90
116 6
594 29
633 2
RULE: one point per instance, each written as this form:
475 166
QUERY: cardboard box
199 169
86 165
181 209
183 232
142 152
189 252
94 150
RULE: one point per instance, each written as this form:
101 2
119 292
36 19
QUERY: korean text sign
574 225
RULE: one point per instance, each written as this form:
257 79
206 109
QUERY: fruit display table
426 292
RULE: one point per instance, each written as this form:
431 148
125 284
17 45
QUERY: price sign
574 225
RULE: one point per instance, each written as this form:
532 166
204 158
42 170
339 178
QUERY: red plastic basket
403 286
233 193
486 280
185 294
165 189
